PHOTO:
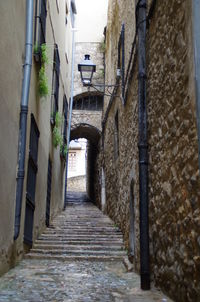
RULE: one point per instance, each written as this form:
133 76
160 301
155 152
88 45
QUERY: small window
121 57
91 103
40 28
57 4
72 161
55 83
73 12
66 15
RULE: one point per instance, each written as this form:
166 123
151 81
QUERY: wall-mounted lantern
87 68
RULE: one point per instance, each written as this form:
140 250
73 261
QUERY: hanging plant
43 87
64 151
57 136
44 54
58 119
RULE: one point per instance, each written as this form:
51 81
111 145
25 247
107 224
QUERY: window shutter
43 14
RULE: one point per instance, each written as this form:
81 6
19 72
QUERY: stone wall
121 171
174 190
77 183
96 52
174 174
92 118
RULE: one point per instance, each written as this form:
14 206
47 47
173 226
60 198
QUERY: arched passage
92 134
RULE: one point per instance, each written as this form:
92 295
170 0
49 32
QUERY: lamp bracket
106 92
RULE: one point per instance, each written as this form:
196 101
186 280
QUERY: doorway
31 182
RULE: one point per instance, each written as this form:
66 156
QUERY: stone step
84 227
80 242
78 252
82 232
88 237
72 258
94 247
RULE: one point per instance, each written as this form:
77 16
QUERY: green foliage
64 151
36 49
44 54
102 47
57 137
58 119
43 87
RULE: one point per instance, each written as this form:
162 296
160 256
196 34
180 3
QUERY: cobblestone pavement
80 281
79 258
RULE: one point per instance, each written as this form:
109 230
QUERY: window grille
90 103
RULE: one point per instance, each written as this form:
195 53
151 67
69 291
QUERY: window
116 136
121 55
57 4
91 103
55 83
66 15
73 12
72 161
40 27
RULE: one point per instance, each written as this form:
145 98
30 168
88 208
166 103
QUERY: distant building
77 165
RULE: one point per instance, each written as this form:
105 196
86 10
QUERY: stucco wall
12 47
11 53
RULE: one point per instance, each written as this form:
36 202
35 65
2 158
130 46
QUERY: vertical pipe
70 114
143 147
196 38
23 115
123 59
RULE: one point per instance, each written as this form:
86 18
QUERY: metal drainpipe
143 147
196 39
70 114
23 115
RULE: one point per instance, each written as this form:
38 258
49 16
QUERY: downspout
70 114
143 147
196 38
23 115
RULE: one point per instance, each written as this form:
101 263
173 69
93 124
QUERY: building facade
47 24
172 103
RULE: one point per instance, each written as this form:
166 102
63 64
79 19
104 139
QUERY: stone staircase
81 232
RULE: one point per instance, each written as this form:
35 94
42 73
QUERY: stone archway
92 134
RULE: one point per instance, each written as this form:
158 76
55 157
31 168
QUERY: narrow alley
78 258
100 151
